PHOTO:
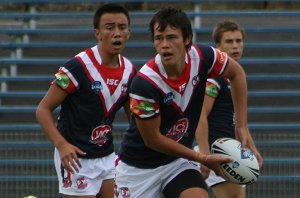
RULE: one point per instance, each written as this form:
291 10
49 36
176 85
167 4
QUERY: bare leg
229 190
194 192
107 189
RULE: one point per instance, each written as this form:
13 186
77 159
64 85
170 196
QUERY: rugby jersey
178 103
95 94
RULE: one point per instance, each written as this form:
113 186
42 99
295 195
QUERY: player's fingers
244 142
205 173
77 161
220 173
79 151
259 159
222 159
74 165
67 165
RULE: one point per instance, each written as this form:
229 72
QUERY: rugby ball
244 169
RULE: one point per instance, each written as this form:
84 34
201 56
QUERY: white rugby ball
244 169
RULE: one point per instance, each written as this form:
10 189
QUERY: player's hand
241 134
214 163
204 171
68 156
258 157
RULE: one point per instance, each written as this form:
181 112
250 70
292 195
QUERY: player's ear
188 41
129 33
97 34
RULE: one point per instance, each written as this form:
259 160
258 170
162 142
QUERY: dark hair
225 26
109 8
172 17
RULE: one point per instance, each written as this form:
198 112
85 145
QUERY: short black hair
109 8
173 17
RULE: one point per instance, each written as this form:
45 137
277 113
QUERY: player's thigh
194 192
229 190
187 184
107 189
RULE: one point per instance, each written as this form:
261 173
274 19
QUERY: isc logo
113 82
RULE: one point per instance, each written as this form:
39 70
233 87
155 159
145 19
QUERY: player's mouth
235 54
117 44
167 55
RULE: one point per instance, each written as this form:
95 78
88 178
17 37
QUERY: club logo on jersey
124 88
81 183
143 108
125 193
96 87
100 135
178 130
62 80
169 98
195 80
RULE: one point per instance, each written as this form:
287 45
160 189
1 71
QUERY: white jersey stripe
94 73
66 71
181 101
215 59
224 66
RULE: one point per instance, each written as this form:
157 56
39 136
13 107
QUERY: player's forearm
202 136
47 124
239 97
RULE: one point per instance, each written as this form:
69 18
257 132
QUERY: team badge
178 130
124 88
96 87
195 80
81 183
101 134
125 193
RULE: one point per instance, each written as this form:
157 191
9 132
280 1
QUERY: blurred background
38 36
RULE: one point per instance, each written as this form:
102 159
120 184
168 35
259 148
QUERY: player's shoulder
72 64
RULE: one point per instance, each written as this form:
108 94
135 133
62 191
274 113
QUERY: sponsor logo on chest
178 130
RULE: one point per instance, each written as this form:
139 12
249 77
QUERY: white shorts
136 182
212 179
90 177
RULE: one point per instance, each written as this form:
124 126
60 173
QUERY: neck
109 60
175 71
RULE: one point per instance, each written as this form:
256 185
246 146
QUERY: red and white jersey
178 103
95 94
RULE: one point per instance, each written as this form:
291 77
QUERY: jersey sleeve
216 60
67 77
212 88
144 102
